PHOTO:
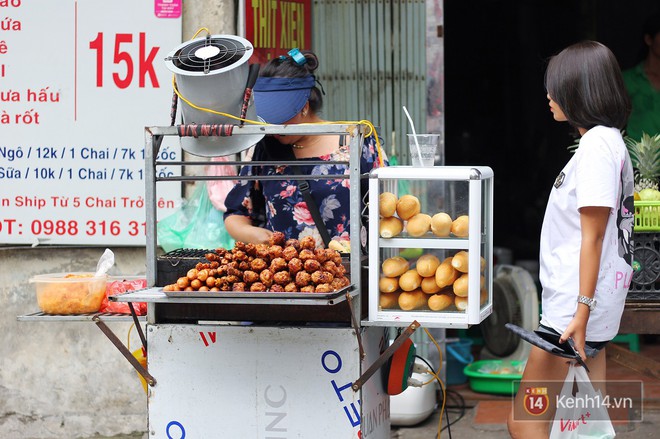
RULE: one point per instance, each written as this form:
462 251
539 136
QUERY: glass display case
430 246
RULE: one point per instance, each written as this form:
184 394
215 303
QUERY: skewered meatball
339 282
212 257
289 253
323 288
306 254
292 243
277 288
231 271
250 277
308 289
308 242
266 277
322 277
295 265
258 264
311 265
240 255
275 251
282 277
231 278
278 264
303 278
262 251
330 266
238 286
251 249
290 287
258 286
243 265
277 238
321 255
210 282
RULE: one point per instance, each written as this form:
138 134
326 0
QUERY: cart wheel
646 266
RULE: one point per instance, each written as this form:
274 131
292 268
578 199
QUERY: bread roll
410 280
429 286
438 302
427 265
459 227
387 204
418 225
441 224
409 301
389 301
445 275
395 266
460 303
390 227
461 285
388 284
460 261
407 207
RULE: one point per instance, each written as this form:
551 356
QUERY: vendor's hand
259 235
577 330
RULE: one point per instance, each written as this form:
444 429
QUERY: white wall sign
79 81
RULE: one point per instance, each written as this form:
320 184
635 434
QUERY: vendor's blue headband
278 100
272 83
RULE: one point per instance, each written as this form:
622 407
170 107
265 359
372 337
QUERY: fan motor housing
211 73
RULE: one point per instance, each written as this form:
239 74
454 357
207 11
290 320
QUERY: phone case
548 342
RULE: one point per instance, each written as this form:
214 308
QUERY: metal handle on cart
124 350
357 385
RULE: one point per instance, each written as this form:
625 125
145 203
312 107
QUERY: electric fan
515 300
212 73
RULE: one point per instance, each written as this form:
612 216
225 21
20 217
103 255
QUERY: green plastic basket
499 383
647 216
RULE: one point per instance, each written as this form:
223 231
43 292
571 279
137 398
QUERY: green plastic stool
631 339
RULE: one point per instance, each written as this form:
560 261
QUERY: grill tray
174 264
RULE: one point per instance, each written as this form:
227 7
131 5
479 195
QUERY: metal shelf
157 295
105 316
439 243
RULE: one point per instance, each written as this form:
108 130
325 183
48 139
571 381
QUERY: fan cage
230 52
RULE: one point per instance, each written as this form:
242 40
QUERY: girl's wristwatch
591 303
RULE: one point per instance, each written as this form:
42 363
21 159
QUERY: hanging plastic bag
115 287
196 224
582 415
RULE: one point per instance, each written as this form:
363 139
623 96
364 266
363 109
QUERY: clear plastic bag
196 224
582 415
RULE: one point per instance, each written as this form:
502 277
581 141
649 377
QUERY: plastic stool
631 339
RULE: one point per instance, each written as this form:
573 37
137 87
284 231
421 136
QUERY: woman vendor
286 93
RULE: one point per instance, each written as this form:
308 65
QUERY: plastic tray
503 384
647 216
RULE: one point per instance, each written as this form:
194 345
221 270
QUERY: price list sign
79 81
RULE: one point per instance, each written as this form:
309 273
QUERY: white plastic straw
412 125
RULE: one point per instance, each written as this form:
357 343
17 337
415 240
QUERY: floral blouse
286 210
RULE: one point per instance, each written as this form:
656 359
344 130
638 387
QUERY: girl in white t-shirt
586 238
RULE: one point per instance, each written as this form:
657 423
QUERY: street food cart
276 364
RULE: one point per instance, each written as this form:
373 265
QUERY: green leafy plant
645 157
